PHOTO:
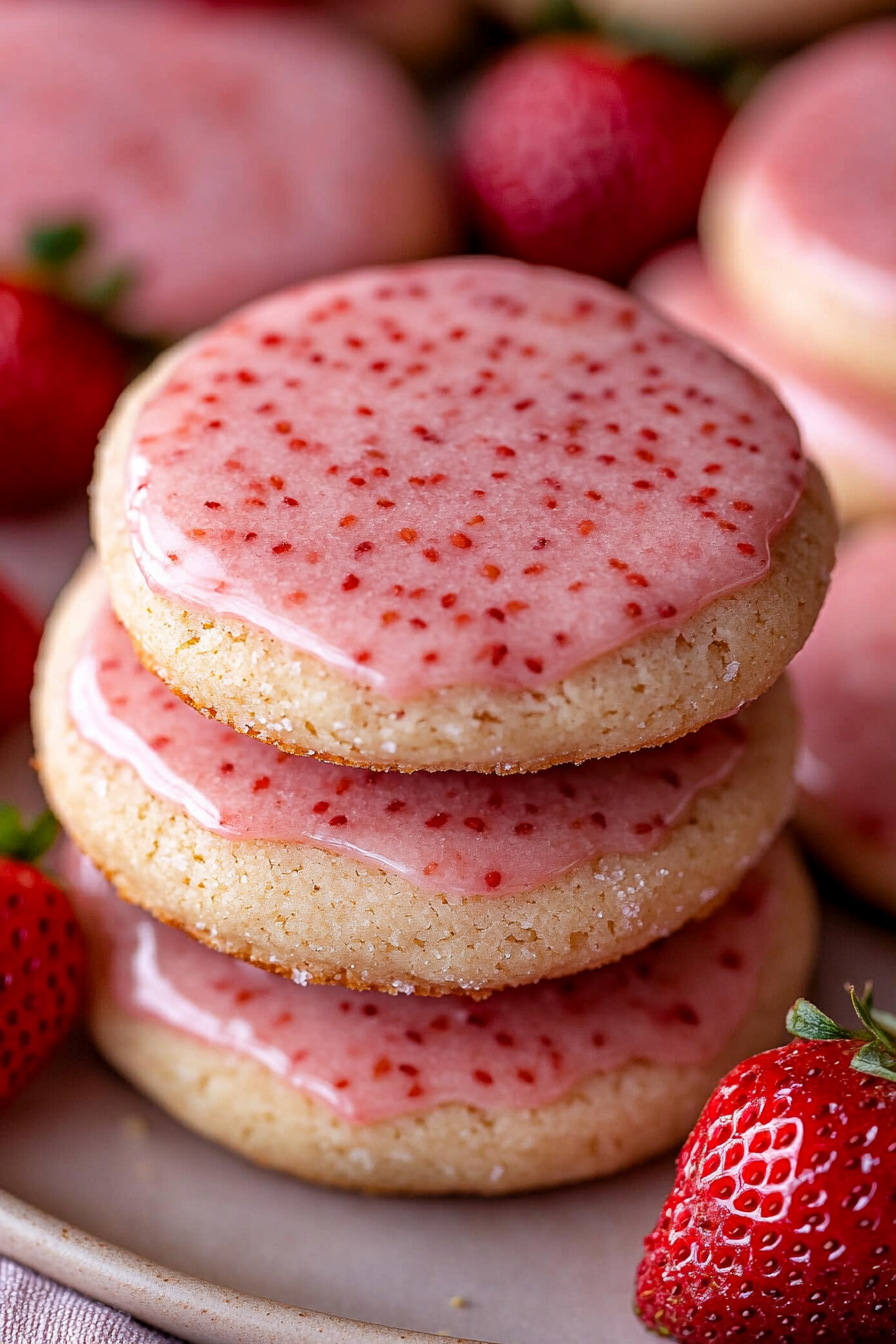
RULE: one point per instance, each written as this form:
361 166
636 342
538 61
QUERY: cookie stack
481 578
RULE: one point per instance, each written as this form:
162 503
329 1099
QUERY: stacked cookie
799 280
481 578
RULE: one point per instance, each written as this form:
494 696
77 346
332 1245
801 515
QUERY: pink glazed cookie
438 883
849 431
467 514
556 1082
798 213
214 154
844 680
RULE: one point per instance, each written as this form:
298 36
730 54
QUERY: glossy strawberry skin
60 374
19 639
781 1226
575 155
41 971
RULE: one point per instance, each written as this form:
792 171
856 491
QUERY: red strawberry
19 638
60 373
782 1222
41 955
581 156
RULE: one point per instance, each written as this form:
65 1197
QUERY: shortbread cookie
213 154
844 679
470 514
557 1082
849 431
797 218
433 882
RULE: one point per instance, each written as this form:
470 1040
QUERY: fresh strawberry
782 1222
19 638
41 954
60 373
578 155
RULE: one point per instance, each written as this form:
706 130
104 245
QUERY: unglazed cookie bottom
659 687
300 910
608 1122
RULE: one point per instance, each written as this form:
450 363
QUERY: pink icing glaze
369 1056
844 682
464 472
218 153
834 417
456 833
818 146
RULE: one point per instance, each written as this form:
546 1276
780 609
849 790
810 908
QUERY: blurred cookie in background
208 155
846 693
849 430
797 222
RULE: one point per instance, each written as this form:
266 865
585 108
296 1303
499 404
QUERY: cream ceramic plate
104 1190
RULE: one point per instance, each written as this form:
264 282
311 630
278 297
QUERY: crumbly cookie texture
300 910
662 685
606 1123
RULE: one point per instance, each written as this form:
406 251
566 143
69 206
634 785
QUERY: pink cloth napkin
35 1310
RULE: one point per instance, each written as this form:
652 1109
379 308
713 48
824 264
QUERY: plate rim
192 1309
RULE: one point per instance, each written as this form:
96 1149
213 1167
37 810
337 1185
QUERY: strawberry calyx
877 1053
56 250
20 841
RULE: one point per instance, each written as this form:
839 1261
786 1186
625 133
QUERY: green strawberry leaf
878 1053
811 1024
885 1020
55 245
108 290
877 1060
864 1010
27 843
57 249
